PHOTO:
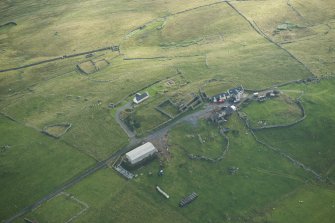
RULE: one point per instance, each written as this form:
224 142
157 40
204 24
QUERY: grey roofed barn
140 153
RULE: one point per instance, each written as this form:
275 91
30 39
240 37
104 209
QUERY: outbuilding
140 153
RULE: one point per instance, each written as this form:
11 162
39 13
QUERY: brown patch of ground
161 143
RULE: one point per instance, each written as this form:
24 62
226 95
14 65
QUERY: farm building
238 91
223 114
220 98
140 153
140 97
234 93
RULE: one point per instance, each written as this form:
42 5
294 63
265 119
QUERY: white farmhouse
140 97
140 153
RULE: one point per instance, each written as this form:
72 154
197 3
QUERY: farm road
192 118
125 128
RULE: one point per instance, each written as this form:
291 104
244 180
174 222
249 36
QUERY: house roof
220 95
235 90
140 97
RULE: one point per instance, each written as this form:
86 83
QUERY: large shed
140 153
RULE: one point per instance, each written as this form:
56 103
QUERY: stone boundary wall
277 150
304 116
254 25
58 58
213 160
8 23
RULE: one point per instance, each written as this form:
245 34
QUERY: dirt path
125 128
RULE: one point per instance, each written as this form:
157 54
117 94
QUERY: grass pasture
302 204
230 49
204 140
113 199
63 203
310 141
33 166
169 108
315 20
275 111
217 87
87 67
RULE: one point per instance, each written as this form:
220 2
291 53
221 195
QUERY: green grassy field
301 204
310 141
63 203
111 198
315 22
179 46
33 165
276 111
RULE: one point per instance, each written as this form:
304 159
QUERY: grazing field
202 140
274 111
33 165
214 87
301 204
311 140
113 199
64 203
312 25
103 52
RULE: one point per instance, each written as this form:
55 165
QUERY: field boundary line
47 135
128 35
254 25
84 206
58 58
279 151
73 181
273 173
